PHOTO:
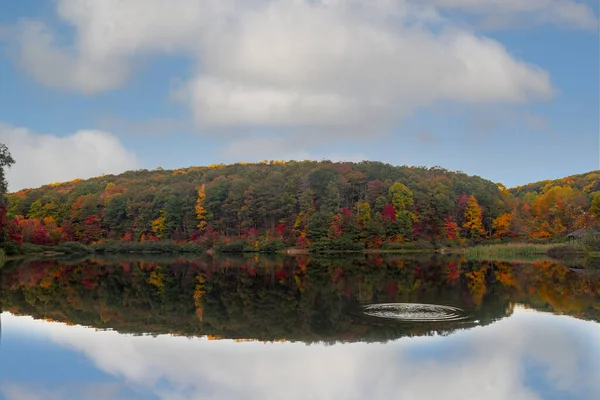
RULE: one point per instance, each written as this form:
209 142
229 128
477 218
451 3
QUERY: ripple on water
415 312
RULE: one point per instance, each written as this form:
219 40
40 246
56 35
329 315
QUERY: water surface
365 327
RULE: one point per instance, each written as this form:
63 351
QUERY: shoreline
494 251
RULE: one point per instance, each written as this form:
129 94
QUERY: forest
317 206
305 298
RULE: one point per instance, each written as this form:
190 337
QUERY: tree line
316 205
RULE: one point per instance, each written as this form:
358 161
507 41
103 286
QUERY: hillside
588 183
272 205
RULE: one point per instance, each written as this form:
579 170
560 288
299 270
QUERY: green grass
522 251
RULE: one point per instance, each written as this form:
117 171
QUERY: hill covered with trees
318 205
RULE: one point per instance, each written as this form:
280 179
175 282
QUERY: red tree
389 212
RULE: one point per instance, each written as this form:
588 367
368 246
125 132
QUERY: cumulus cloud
59 67
493 362
42 159
325 64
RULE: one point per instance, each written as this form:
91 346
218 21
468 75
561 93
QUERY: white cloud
42 159
325 64
59 67
493 362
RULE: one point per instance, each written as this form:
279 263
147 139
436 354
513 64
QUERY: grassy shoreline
479 252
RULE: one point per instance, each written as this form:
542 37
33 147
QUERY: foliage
6 161
501 225
473 219
200 210
591 242
302 204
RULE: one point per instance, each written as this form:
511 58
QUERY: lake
305 327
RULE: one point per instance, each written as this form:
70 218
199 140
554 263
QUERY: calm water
362 327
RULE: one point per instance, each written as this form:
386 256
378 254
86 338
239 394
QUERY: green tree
331 198
401 198
6 160
116 214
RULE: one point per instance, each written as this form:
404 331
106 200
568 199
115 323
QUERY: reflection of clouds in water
485 362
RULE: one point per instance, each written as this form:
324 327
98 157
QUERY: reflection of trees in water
308 299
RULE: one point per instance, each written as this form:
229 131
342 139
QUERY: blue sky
501 89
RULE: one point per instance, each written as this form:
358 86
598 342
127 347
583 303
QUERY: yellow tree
363 212
159 225
501 225
473 218
401 198
200 210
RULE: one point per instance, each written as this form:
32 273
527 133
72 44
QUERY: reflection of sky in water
527 356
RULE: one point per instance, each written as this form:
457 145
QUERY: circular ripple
415 312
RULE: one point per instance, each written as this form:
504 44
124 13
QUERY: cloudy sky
509 359
504 89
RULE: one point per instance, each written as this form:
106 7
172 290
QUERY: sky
504 89
508 359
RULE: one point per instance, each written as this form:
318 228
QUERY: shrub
342 244
144 247
591 242
12 249
273 246
30 248
73 248
413 246
235 246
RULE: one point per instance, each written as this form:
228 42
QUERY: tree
473 218
159 225
331 198
501 225
92 230
363 213
6 161
402 200
200 210
451 229
115 213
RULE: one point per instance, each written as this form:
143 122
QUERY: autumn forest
317 206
